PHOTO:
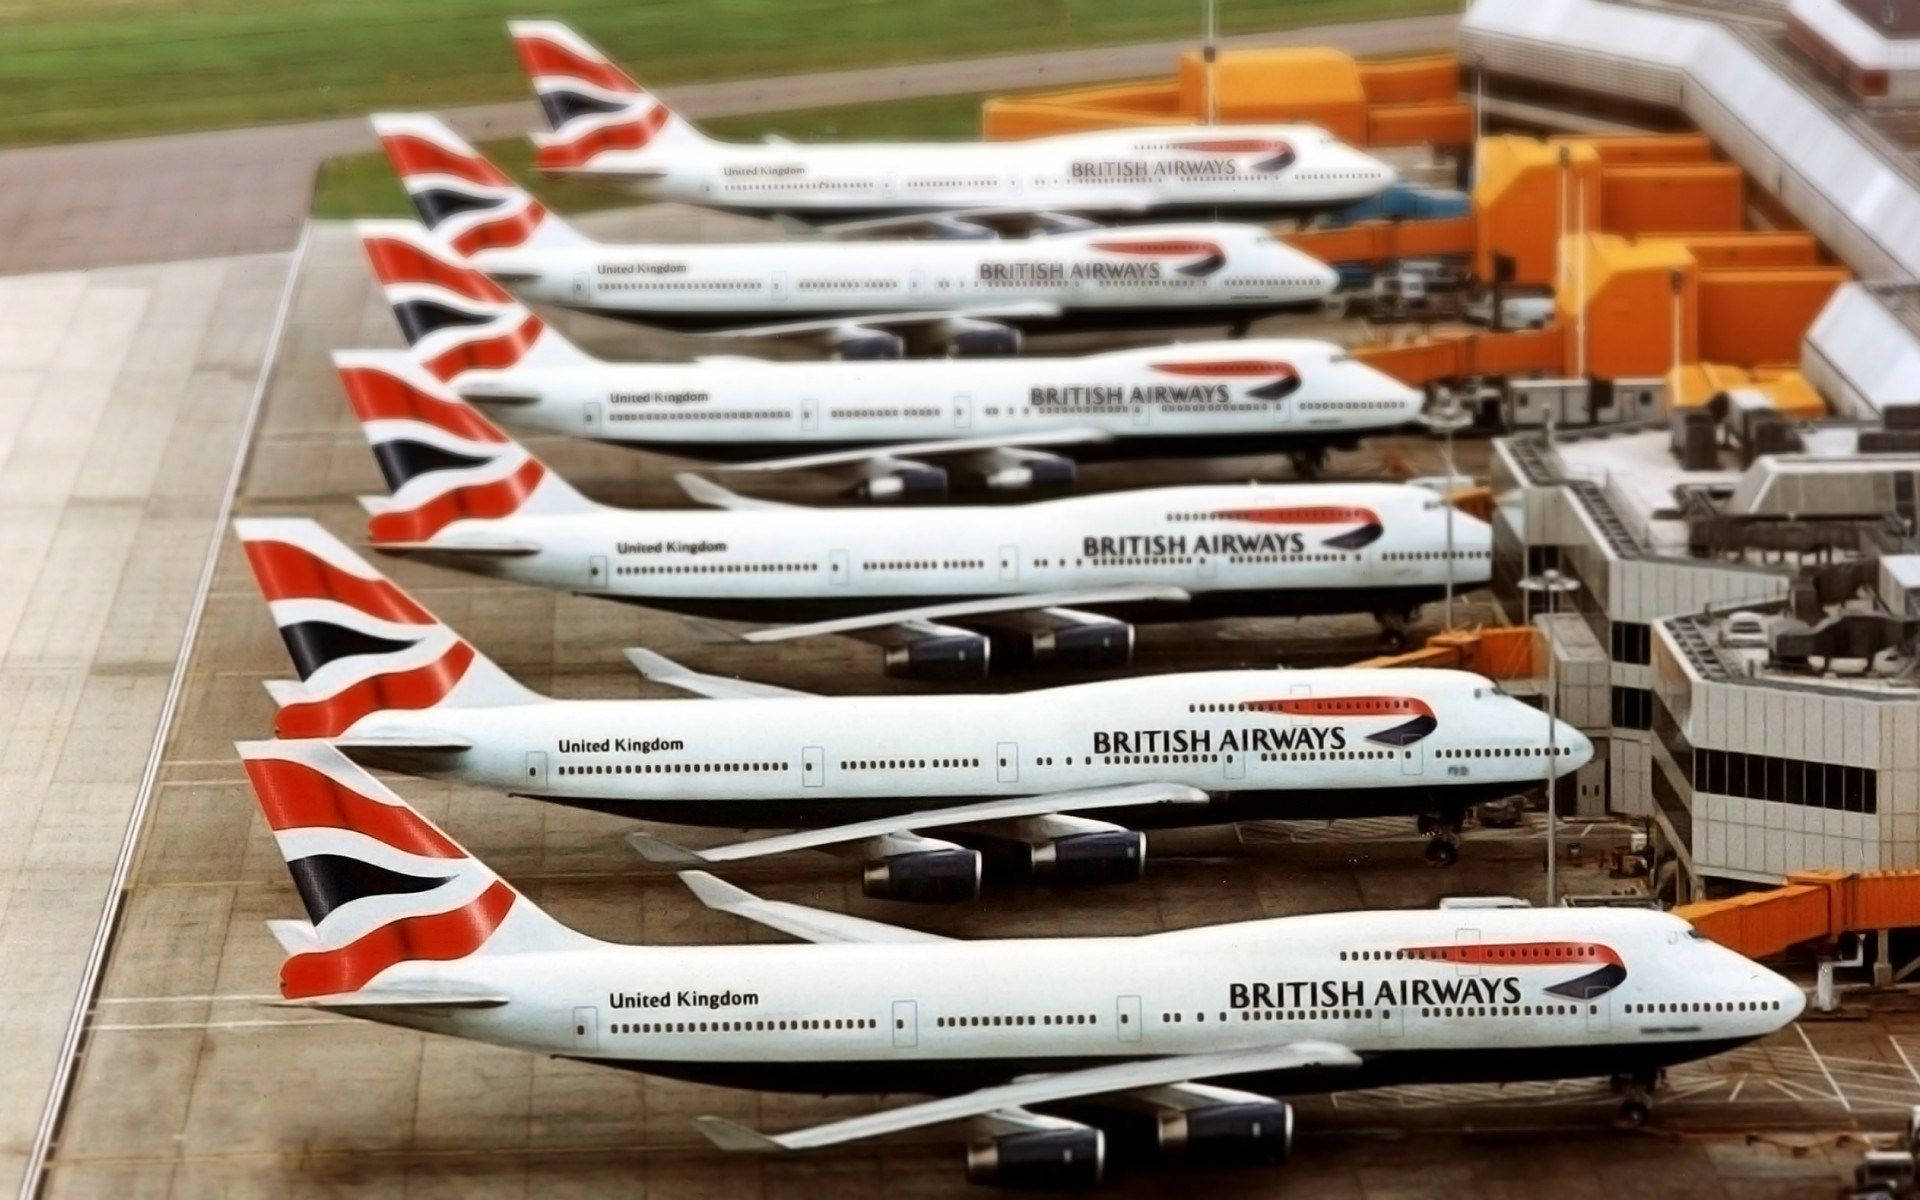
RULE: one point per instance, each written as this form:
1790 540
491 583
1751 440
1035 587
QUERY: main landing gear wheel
1240 329
1443 838
1307 464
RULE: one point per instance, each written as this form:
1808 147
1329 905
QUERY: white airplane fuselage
1209 397
1157 275
1430 996
1244 169
1235 549
1263 744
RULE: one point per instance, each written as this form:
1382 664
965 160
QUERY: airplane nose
1793 1000
1575 748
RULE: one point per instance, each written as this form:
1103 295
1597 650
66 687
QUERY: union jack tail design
456 318
384 888
466 201
595 108
452 472
360 644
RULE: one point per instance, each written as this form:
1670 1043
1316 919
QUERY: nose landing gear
1309 462
1635 1090
1393 627
1443 837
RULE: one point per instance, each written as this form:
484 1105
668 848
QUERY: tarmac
129 405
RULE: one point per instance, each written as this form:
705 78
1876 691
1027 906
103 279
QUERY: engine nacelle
1251 1132
1052 1159
1119 856
955 655
1094 644
902 481
925 876
965 337
860 343
1012 469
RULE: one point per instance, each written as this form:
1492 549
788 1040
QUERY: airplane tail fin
466 201
359 643
382 885
455 317
454 476
593 105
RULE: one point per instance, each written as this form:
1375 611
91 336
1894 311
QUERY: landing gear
1393 627
1308 463
1240 328
1443 838
1636 1097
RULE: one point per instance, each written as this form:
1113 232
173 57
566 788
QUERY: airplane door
1008 754
1467 937
916 282
586 1028
1009 563
813 767
809 413
597 571
963 412
537 768
1234 764
1142 415
582 289
1600 1014
590 417
1126 1018
906 1024
1390 1021
837 569
777 285
1413 759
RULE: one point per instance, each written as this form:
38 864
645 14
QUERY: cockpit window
1341 358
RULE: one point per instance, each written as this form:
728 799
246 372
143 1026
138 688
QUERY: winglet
736 1138
715 892
659 850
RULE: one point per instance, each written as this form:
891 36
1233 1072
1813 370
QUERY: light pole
1208 54
1446 420
1552 584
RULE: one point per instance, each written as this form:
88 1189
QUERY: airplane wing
661 669
1085 800
978 223
1106 1080
1126 594
808 924
946 446
1036 309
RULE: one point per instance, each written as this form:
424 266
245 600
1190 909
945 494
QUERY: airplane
1200 1030
972 296
1064 776
466 494
1000 420
607 127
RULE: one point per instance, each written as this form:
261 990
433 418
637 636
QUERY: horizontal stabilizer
501 548
1010 808
295 937
399 998
444 743
661 669
1134 593
807 924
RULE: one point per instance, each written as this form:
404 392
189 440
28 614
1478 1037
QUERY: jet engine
1112 855
1077 639
1253 1131
886 478
864 343
970 337
1013 469
940 652
937 876
1051 1159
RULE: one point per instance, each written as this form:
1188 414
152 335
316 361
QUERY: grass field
76 69
362 185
